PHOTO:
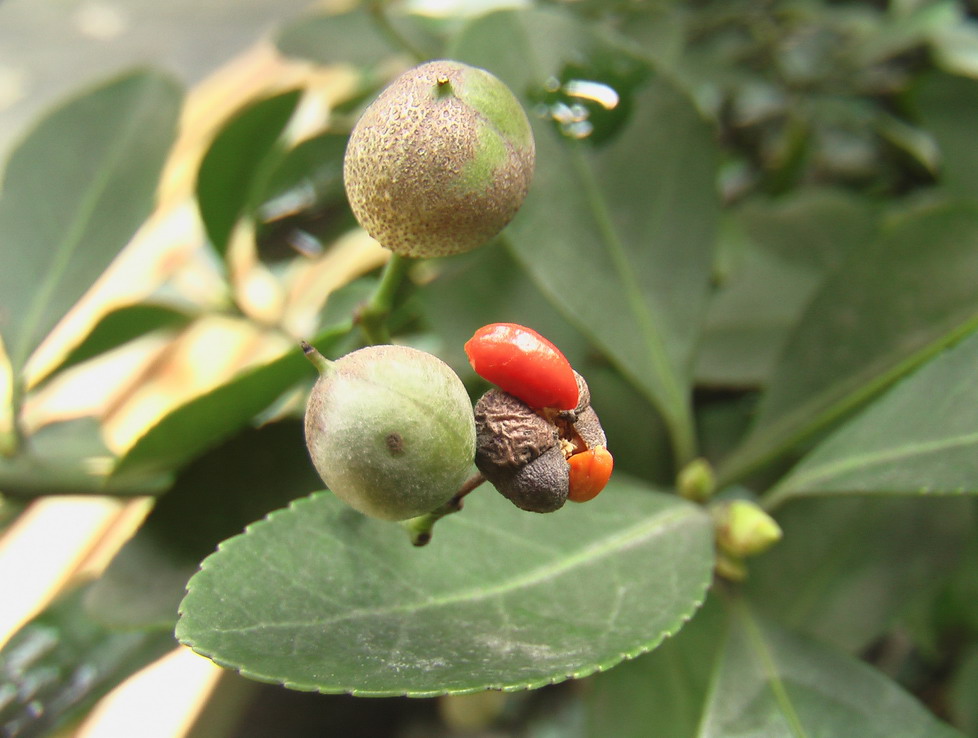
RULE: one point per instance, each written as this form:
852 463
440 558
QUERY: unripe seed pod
440 162
390 430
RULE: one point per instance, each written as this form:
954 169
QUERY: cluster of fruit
438 165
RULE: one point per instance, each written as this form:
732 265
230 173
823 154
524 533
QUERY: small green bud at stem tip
744 529
318 360
696 481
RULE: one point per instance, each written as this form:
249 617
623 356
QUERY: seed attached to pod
522 362
390 430
539 458
440 162
589 473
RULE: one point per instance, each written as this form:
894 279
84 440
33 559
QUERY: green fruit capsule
390 430
440 162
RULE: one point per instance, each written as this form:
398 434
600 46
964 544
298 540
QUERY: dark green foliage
756 237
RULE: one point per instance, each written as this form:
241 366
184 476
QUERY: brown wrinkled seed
524 455
508 433
540 486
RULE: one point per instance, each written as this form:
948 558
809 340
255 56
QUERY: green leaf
354 37
921 437
231 171
207 419
777 253
266 468
964 687
891 306
948 108
619 237
319 597
848 568
770 682
303 201
121 325
74 192
662 693
57 666
68 458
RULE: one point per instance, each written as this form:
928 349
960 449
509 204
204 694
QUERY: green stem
319 361
420 529
373 316
378 9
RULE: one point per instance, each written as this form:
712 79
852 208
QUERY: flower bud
744 529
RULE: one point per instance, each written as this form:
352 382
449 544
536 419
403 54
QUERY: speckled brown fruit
440 162
390 430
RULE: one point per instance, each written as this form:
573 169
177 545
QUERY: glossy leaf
74 193
266 468
230 173
880 315
60 663
848 568
319 597
921 437
619 237
769 681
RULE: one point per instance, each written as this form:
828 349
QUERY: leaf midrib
73 235
657 524
884 456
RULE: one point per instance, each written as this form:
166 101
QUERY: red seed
589 473
522 362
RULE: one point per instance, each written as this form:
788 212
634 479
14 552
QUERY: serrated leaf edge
514 687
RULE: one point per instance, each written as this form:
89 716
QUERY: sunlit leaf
59 664
121 325
226 182
74 193
204 421
320 597
69 458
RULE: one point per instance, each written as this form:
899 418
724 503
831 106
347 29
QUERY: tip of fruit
318 360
